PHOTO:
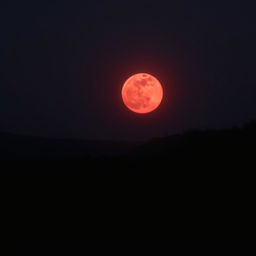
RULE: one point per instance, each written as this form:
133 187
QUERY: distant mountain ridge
13 145
235 139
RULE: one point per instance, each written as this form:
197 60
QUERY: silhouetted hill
207 143
30 146
229 142
189 190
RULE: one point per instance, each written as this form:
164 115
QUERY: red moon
142 93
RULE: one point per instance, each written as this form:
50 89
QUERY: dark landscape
136 252
200 182
195 151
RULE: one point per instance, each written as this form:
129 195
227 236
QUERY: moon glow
142 93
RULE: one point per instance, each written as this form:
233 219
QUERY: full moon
142 93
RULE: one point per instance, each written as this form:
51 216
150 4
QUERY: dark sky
63 64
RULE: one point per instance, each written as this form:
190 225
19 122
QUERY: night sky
63 64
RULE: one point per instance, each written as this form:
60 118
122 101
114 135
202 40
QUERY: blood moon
142 93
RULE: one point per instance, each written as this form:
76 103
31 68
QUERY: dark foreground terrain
135 252
193 189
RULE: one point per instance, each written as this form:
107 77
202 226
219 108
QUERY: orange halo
142 93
